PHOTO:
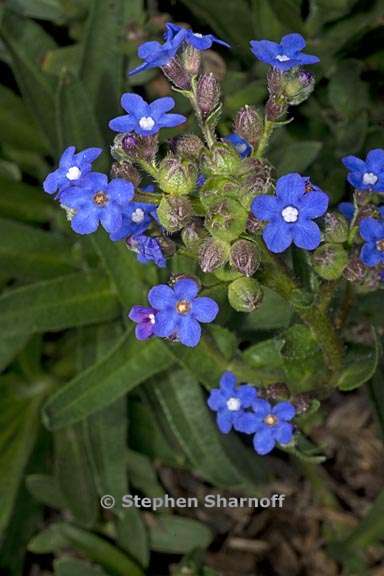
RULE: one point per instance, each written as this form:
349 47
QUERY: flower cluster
241 408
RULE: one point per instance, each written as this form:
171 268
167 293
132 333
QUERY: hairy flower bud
127 171
275 108
177 177
248 124
174 212
245 294
213 254
355 270
168 246
244 257
254 225
277 391
208 93
275 81
191 60
189 146
335 228
226 219
193 234
256 178
221 160
131 147
329 261
302 402
176 73
298 86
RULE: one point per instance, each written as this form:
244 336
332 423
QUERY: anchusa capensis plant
218 201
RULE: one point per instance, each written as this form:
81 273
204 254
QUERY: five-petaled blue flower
137 217
289 213
195 39
270 425
72 167
98 201
147 249
368 174
285 55
145 318
146 119
242 147
155 54
180 310
372 231
230 402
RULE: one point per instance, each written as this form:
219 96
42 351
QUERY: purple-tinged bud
355 270
336 228
277 391
298 86
191 60
248 124
368 211
177 177
129 142
275 108
193 234
176 73
302 402
221 160
168 246
275 81
174 212
245 294
329 261
208 94
189 146
133 147
226 219
256 176
254 225
213 254
244 257
127 171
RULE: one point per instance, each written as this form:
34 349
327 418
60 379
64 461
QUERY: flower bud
213 254
298 86
127 171
256 179
275 108
244 257
208 93
302 402
254 225
355 270
131 147
329 261
176 73
275 81
177 177
174 212
191 60
335 228
226 219
189 146
221 160
193 234
277 391
168 246
245 294
249 124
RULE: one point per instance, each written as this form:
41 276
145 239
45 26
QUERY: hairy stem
268 129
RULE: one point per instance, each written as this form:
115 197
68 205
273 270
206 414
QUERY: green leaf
40 9
277 17
142 475
24 202
347 93
176 535
129 364
296 156
74 567
60 536
221 459
359 367
273 312
21 37
10 347
46 490
27 252
101 67
74 300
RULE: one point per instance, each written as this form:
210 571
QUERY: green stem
205 129
268 129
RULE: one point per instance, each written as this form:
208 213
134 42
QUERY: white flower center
146 123
73 173
241 147
290 214
370 178
151 318
138 215
282 58
198 35
233 404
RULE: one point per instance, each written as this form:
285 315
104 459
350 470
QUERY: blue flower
347 209
271 425
197 40
201 180
242 147
97 201
372 231
368 174
180 311
290 214
145 318
146 119
230 402
155 54
147 249
285 55
137 218
72 167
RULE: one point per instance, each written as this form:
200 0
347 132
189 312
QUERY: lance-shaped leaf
360 366
177 535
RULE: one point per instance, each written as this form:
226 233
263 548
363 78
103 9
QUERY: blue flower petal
85 222
246 422
265 50
354 164
266 207
135 105
189 331
228 382
88 155
284 411
120 191
261 408
371 229
216 400
247 394
290 188
264 441
370 255
293 43
283 433
165 324
347 209
306 234
278 237
375 160
314 204
66 160
111 218
162 297
125 123
161 106
224 421
186 289
204 309
171 120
